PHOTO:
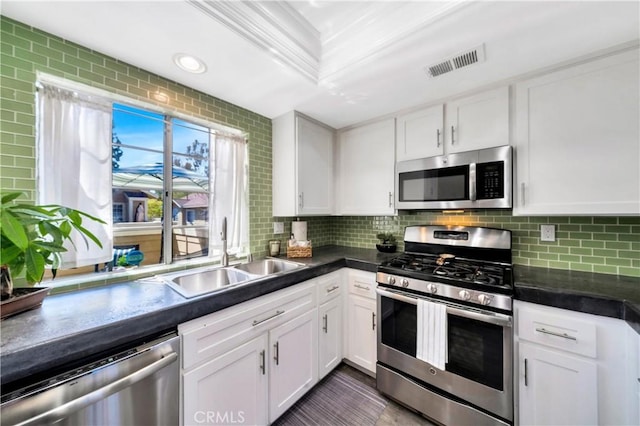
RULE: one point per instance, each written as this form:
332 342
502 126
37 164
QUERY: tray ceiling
341 62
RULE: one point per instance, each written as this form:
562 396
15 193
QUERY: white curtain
74 165
230 194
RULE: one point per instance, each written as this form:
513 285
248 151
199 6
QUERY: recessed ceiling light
189 63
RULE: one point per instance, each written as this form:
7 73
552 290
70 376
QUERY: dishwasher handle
77 404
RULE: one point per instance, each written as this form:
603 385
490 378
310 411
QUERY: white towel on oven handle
431 345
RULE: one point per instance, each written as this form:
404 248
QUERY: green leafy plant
33 237
386 238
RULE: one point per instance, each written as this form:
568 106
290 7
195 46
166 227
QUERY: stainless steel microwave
479 179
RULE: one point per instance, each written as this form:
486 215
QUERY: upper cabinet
419 134
577 140
303 151
474 122
366 164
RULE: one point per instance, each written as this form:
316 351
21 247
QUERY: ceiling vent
460 60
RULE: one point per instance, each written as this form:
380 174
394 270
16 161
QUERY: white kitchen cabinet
330 323
361 323
302 171
469 123
419 134
478 121
573 368
231 388
556 388
294 362
254 359
330 337
366 164
577 139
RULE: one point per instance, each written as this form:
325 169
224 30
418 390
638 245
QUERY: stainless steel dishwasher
139 386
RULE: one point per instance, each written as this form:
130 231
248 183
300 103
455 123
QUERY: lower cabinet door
361 339
556 388
230 389
293 348
330 336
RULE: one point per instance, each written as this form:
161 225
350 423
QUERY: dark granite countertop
79 326
74 327
591 293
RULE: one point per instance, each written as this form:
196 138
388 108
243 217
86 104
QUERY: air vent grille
461 60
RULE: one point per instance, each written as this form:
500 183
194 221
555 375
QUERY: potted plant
33 238
387 242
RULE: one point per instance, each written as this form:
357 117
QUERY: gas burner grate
463 270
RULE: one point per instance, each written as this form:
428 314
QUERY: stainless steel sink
266 267
196 283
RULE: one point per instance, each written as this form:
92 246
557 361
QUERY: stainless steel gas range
445 325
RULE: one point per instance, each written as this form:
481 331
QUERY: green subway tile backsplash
610 252
609 245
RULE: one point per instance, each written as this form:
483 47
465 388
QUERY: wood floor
348 397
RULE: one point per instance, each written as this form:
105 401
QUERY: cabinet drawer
362 283
557 328
329 286
217 333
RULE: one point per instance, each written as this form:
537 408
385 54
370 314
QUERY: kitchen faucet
223 234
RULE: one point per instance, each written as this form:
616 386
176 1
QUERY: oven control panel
447 291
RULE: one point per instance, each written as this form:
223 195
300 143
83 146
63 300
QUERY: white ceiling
360 59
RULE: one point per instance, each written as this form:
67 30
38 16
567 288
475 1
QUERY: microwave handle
473 195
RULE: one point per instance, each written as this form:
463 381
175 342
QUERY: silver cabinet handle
325 323
522 192
438 138
452 138
77 404
301 199
525 373
262 363
332 289
256 322
553 333
276 353
373 320
390 199
363 287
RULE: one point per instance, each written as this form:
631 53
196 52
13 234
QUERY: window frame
168 264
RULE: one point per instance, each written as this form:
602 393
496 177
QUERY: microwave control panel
490 180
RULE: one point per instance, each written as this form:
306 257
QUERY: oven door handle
457 310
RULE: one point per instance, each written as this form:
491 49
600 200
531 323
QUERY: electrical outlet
278 227
547 233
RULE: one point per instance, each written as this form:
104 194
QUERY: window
118 212
141 141
173 180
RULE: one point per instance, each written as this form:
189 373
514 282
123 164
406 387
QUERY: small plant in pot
387 242
33 238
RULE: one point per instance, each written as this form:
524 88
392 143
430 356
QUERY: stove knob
405 282
484 299
432 288
391 280
464 295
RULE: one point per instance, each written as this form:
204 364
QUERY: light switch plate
278 227
547 233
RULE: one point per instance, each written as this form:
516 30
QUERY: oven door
479 350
